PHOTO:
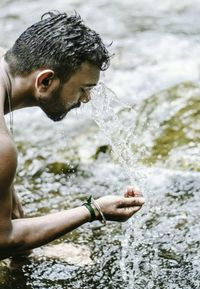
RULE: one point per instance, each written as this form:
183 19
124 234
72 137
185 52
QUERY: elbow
9 245
6 247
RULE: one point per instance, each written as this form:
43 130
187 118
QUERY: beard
56 116
55 109
60 115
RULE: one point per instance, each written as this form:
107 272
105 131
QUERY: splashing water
117 121
119 124
153 245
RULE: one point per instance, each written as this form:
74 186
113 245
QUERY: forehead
87 74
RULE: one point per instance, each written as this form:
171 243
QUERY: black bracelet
88 205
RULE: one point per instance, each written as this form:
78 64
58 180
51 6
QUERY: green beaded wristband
88 205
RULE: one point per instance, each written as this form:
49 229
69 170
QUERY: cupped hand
116 208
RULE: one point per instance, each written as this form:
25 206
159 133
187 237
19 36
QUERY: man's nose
85 97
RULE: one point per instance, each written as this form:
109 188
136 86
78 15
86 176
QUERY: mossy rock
105 149
58 168
176 114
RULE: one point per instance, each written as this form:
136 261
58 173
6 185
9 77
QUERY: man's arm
26 234
17 236
22 234
8 164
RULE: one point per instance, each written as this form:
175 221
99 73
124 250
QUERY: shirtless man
52 65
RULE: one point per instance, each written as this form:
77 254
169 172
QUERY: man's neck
21 92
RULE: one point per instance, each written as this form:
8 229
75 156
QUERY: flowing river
142 130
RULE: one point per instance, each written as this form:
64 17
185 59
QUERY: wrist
86 214
100 214
97 215
90 208
95 210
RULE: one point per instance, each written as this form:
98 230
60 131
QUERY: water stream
117 122
130 141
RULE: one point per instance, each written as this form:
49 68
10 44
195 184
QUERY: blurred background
155 101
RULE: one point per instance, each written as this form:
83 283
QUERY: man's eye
83 90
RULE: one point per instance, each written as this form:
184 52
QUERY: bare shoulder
8 151
8 161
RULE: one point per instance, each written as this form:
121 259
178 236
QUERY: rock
67 252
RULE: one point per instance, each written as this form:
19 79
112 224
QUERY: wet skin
44 89
71 94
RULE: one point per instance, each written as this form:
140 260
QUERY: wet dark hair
58 42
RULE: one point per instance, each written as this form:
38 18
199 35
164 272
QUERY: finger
129 192
129 212
132 192
135 210
132 201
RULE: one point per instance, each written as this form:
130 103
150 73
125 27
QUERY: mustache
78 104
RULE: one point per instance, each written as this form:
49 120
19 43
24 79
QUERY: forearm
30 233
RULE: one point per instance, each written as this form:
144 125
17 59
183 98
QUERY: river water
149 135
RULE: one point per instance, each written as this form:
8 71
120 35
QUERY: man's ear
45 83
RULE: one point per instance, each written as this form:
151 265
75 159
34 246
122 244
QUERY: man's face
72 93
